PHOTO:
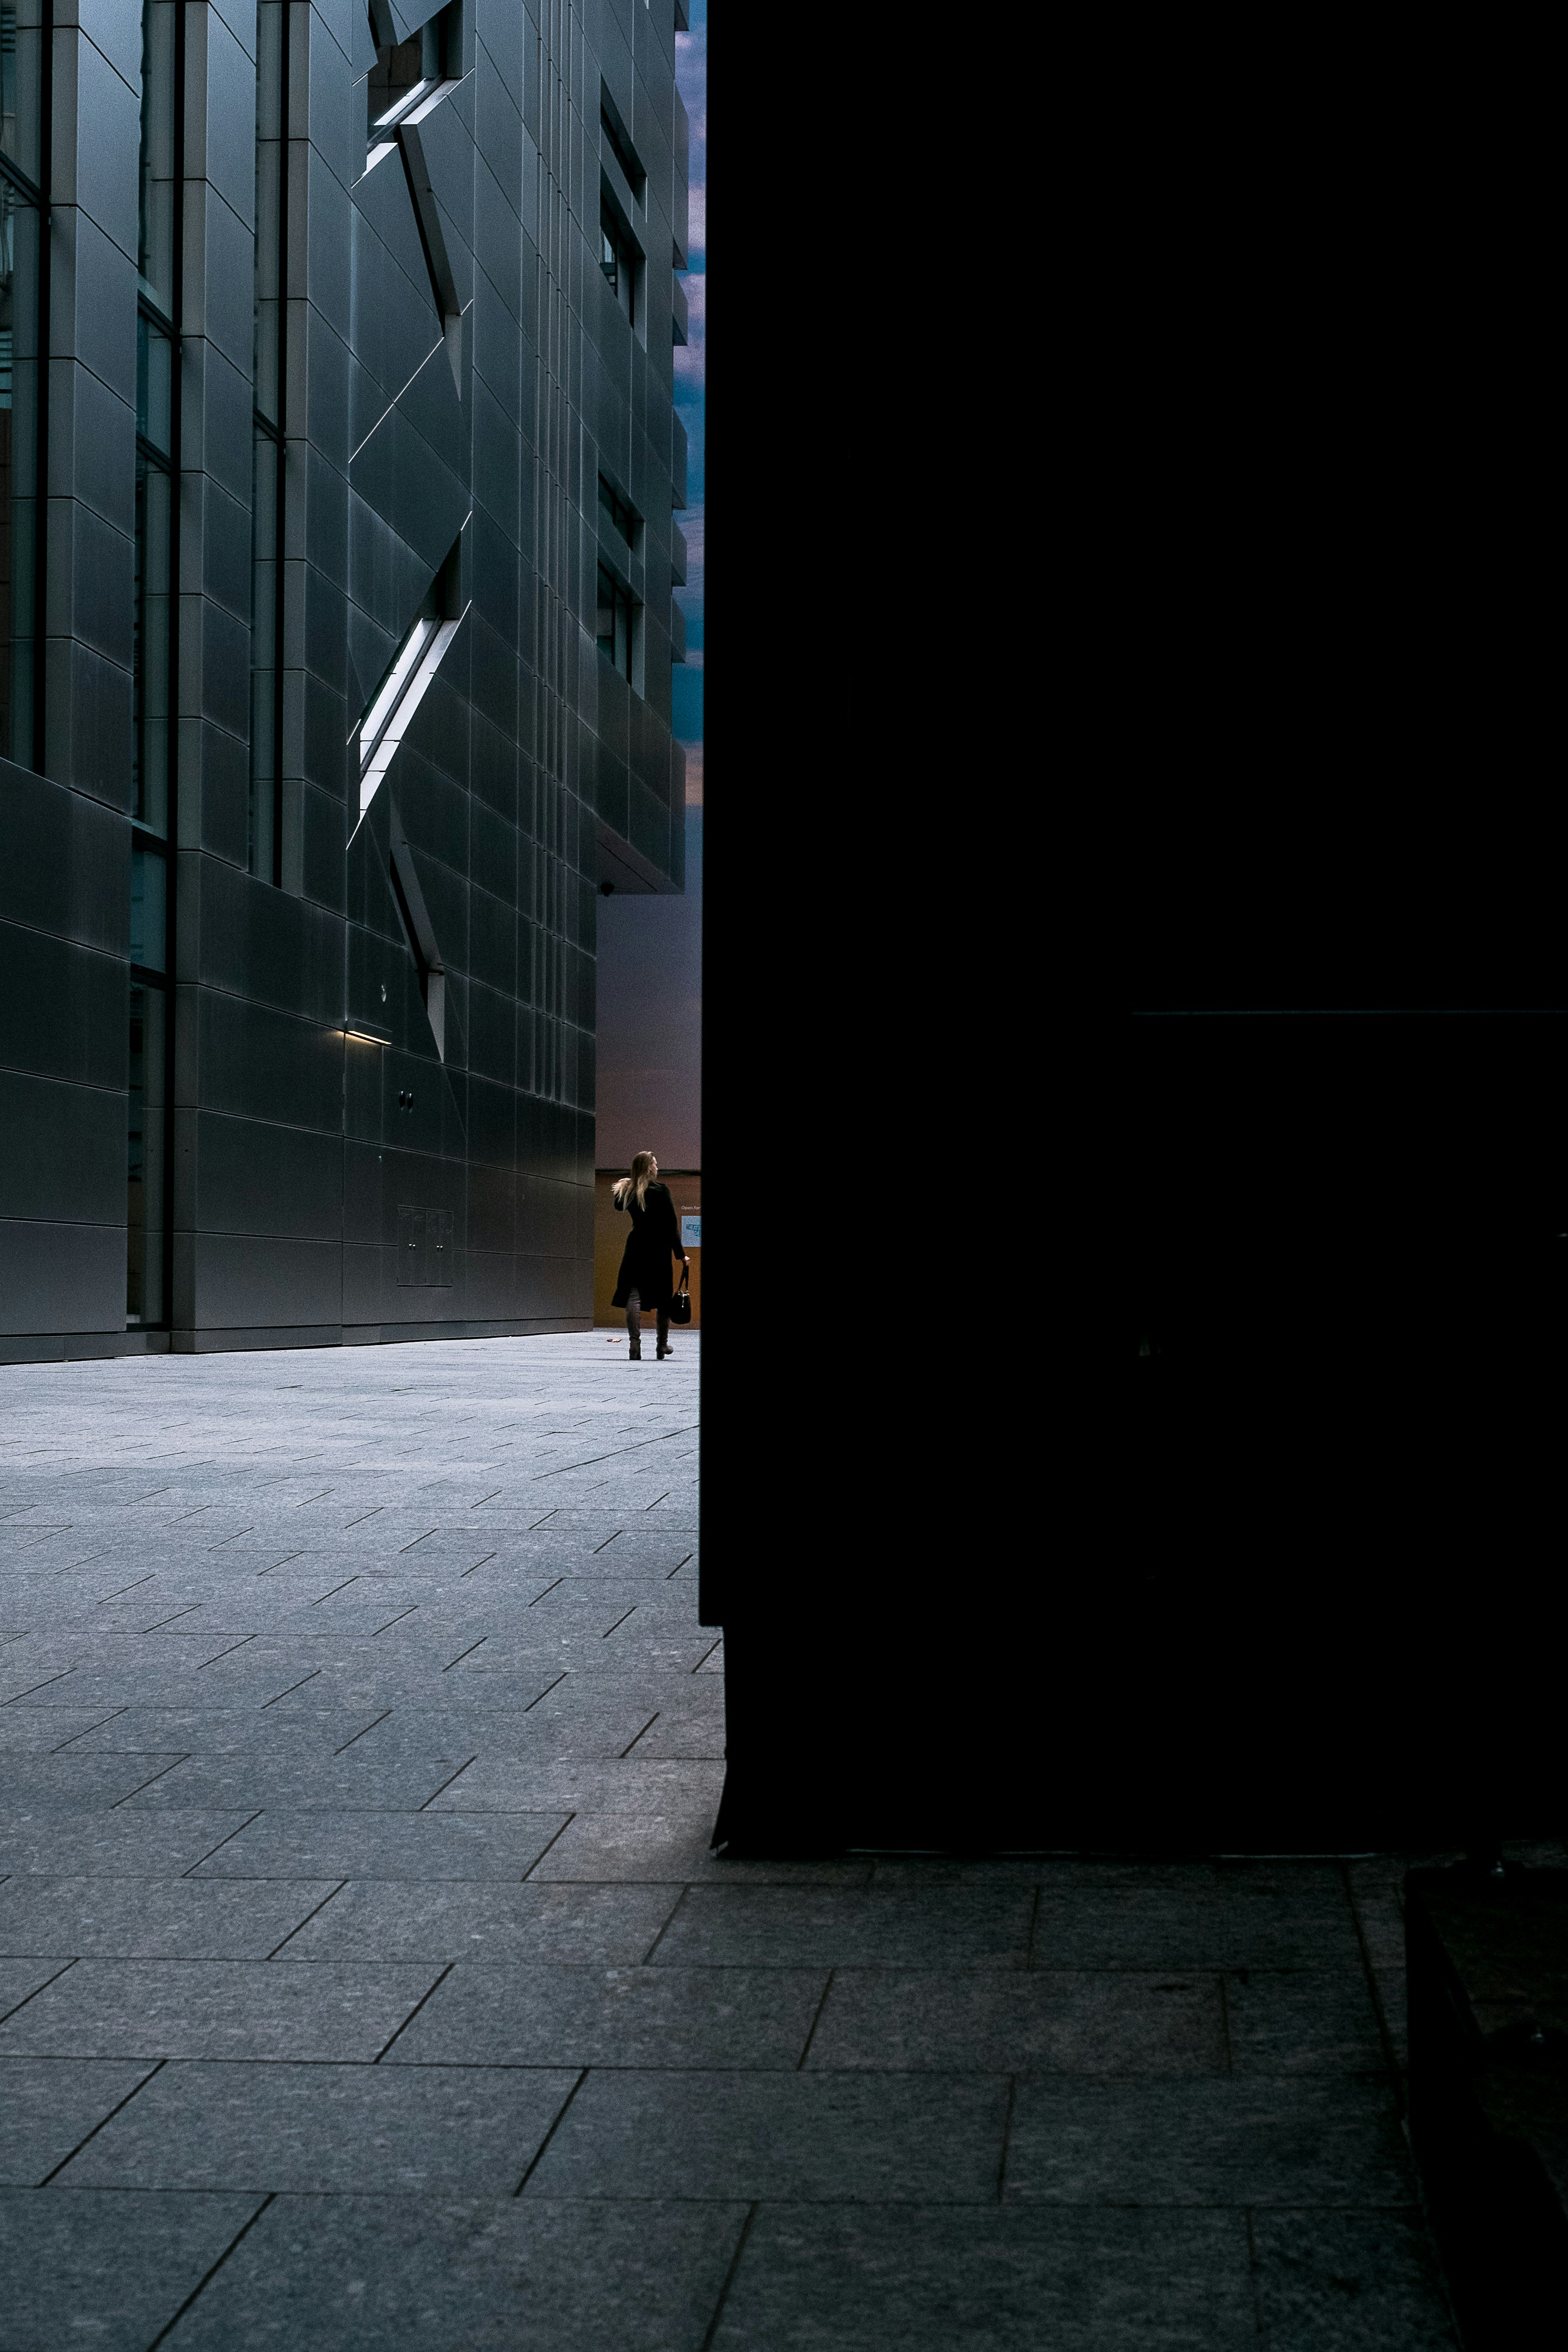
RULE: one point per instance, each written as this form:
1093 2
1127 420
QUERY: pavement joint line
436 1792
1034 1922
292 1687
6 2015
647 1956
64 1675
532 2163
411 1611
360 1735
1254 2278
87 1729
1006 2137
529 1879
157 2066
165 2331
172 1767
238 1644
300 1925
815 2022
546 1691
465 1653
620 1621
415 2011
713 2327
647 1726
222 1841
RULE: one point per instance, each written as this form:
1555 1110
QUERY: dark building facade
337 542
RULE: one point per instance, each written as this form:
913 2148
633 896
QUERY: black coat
654 1240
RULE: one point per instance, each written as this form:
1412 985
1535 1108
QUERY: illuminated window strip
416 106
391 715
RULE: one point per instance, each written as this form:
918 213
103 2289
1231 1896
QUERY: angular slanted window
407 76
418 657
414 916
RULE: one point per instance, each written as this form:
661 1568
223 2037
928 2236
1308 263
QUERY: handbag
681 1303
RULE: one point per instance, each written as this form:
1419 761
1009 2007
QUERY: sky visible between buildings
650 949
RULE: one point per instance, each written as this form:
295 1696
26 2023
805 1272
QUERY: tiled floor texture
366 1981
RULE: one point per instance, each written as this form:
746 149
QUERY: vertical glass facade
152 619
153 674
264 822
21 62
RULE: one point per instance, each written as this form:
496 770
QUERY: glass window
149 906
617 512
621 149
156 257
618 259
406 71
264 678
615 625
154 384
21 106
150 647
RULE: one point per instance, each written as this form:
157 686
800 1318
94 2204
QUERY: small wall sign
691 1232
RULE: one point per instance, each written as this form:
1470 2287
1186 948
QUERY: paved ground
367 1982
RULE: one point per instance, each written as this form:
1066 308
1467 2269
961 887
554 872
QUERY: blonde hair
638 1182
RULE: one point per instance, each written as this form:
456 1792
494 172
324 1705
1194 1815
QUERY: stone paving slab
107 2267
1332 2282
1301 2141
363 2273
413 2131
881 2020
215 1731
119 1844
417 1847
50 2106
838 2137
216 2009
294 1784
628 2016
427 1921
937 2278
154 1919
955 1927
365 1962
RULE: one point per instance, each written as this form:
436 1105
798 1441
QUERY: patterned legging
634 1321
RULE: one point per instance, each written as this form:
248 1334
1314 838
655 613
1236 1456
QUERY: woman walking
654 1240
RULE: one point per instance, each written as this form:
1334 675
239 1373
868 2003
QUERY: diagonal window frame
409 676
